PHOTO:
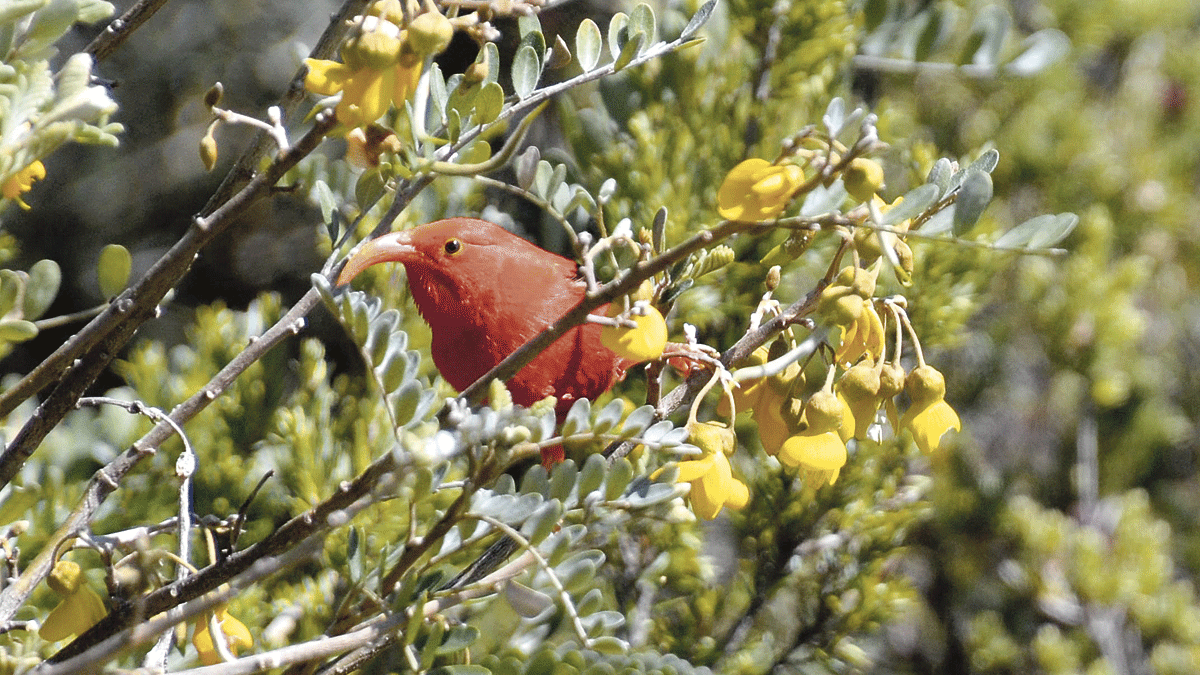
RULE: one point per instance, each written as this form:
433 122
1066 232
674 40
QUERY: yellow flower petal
693 469
235 634
929 423
756 190
406 83
22 181
644 343
823 451
77 612
325 77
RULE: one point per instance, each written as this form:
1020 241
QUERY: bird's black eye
453 246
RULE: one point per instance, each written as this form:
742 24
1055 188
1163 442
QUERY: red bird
485 292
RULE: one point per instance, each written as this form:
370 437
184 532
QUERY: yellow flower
859 392
757 190
22 181
234 633
79 609
713 485
929 417
367 93
643 343
822 454
818 449
863 336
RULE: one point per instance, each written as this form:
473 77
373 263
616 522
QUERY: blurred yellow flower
22 181
819 449
79 609
757 190
234 633
713 485
929 417
367 93
642 343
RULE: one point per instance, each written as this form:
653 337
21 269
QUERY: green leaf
992 25
609 416
325 200
620 473
973 197
527 167
592 474
577 417
914 203
588 44
637 421
629 51
17 330
542 522
562 480
369 188
939 175
1039 232
526 70
492 55
45 277
460 669
489 103
698 19
617 34
931 33
10 289
537 42
642 21
113 270
1042 49
438 94
406 401
527 24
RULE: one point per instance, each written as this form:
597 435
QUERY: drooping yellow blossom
713 485
79 609
234 633
381 62
818 449
859 391
644 342
22 181
367 93
929 417
747 393
757 190
862 337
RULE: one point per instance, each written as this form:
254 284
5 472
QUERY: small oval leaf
45 277
113 270
526 70
588 45
973 197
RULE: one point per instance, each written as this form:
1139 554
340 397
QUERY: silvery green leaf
987 161
835 116
642 21
592 474
558 56
674 437
617 34
113 270
1055 231
537 41
17 330
438 94
525 601
939 175
561 199
528 23
823 200
326 201
588 44
698 19
580 200
620 472
406 401
602 621
914 203
655 493
324 289
526 70
630 51
45 277
535 480
608 644
577 417
527 166
492 56
14 9
489 103
609 416
545 425
541 179
940 222
656 432
993 23
1042 49
591 602
637 421
504 485
562 480
557 176
458 638
542 522
973 197
579 567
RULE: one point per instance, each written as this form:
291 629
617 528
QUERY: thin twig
119 29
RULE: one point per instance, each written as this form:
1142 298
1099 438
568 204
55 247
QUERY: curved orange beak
393 247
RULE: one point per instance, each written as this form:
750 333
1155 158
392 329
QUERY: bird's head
457 263
455 247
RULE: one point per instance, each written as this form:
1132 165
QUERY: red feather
485 292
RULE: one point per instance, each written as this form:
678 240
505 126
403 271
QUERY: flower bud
823 411
863 178
430 33
65 578
208 151
712 437
891 380
925 384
